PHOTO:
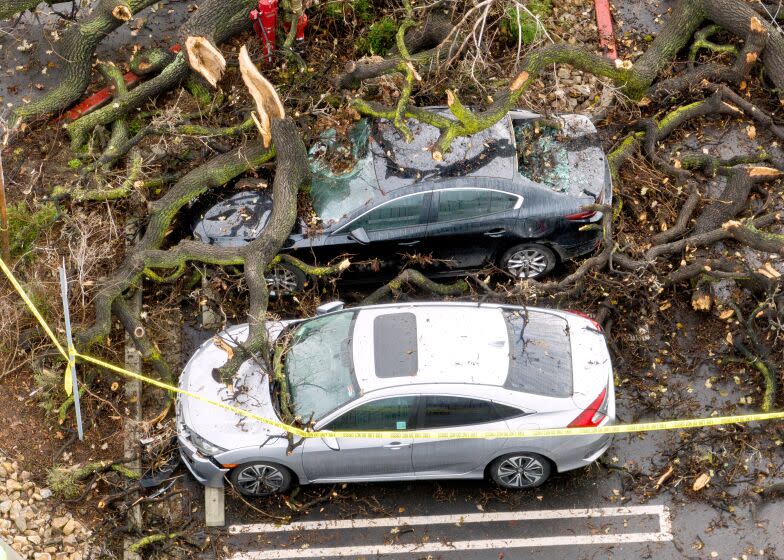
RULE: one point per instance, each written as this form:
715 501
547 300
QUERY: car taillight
580 216
594 414
593 321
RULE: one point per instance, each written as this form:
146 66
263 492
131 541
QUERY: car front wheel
529 260
284 278
520 470
260 479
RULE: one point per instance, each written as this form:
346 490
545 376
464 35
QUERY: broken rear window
541 156
540 359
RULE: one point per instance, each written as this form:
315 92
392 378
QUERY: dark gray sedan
513 196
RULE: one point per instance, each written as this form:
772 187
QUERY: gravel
32 523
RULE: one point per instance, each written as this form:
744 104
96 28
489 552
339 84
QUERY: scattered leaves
701 482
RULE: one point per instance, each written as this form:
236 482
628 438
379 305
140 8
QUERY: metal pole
71 360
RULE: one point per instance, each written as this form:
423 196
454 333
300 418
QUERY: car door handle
495 232
397 445
409 243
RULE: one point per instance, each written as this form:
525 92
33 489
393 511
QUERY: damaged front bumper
204 469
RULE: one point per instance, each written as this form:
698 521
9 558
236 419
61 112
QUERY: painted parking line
662 512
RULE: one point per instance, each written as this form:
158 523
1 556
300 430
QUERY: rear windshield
540 360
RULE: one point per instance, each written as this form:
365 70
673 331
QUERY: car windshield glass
343 177
318 365
540 358
541 155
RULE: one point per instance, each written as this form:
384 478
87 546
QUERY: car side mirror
329 307
359 235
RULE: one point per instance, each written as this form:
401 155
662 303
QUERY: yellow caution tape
68 379
71 354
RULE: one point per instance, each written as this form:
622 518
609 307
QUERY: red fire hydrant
265 21
302 22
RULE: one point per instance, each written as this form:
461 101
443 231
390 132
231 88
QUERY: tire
520 470
529 260
284 278
260 478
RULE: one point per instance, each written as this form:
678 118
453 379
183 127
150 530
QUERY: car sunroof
395 345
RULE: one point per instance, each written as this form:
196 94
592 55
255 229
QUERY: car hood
250 392
235 221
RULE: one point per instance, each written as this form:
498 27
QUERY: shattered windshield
318 366
343 177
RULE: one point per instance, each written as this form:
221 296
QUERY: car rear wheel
284 278
520 470
529 260
261 479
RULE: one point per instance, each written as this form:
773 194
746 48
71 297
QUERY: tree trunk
76 50
215 20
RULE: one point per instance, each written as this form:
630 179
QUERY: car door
332 459
468 225
380 239
453 457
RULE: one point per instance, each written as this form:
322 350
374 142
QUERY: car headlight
204 446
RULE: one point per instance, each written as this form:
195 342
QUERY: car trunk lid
592 368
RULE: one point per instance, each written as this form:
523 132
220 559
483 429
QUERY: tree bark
218 171
9 8
76 50
215 20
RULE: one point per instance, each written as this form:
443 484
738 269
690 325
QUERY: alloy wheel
281 279
527 263
260 480
520 471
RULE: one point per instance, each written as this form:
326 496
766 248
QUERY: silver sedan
430 367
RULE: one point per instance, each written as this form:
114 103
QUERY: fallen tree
420 48
279 136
